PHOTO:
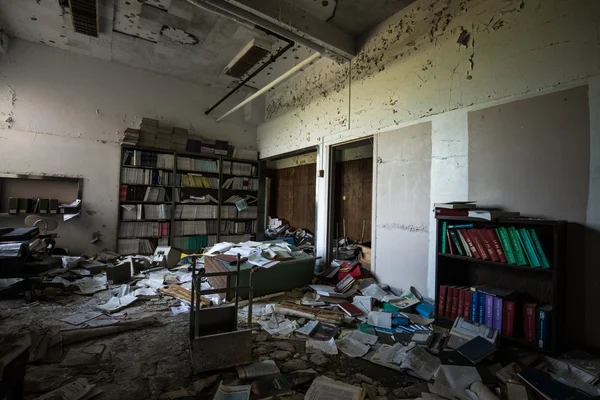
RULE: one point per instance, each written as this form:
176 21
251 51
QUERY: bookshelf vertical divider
539 285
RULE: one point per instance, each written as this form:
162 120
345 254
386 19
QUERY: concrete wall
62 113
435 62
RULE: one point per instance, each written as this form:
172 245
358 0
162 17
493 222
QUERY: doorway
350 198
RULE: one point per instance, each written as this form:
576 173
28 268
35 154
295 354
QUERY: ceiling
176 38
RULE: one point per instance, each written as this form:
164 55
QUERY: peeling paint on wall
8 100
403 227
412 67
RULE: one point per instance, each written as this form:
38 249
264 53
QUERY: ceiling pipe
273 83
270 61
238 14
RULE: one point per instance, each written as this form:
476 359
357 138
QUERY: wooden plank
355 182
294 195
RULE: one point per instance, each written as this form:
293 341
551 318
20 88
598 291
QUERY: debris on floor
345 336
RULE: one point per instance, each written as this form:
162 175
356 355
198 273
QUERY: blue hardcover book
498 313
489 310
481 318
443 237
542 323
474 306
461 226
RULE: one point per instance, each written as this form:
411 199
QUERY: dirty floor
151 362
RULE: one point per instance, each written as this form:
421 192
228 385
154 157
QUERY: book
467 307
455 296
479 244
543 326
538 249
506 246
474 315
514 391
481 313
457 244
529 322
463 243
461 226
470 243
257 370
528 246
469 329
545 387
516 245
345 284
13 205
442 212
448 307
350 309
25 205
442 301
449 242
443 245
487 243
489 310
508 318
456 205
497 313
461 302
53 206
268 387
476 349
43 206
496 244
491 215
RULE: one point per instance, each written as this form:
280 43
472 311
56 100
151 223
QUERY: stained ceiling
176 38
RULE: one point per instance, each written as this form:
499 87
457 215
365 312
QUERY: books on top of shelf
510 245
456 205
491 215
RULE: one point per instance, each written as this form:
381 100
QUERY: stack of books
250 212
241 184
229 212
468 209
197 180
135 246
143 229
192 164
179 139
140 176
497 308
193 211
512 245
131 138
194 243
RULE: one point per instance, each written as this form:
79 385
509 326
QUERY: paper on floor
362 337
117 303
374 291
79 319
324 388
352 348
232 392
325 346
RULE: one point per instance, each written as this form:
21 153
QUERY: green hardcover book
456 241
505 242
528 246
515 241
538 249
443 237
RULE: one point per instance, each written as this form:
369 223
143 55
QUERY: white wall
411 70
66 113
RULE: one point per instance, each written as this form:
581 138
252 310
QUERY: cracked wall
434 57
69 111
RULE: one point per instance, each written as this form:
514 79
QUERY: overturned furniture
215 340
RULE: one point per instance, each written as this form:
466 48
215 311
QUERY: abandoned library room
299 199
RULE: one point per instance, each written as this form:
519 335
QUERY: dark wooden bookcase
544 286
218 193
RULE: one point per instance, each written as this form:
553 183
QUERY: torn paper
325 346
352 348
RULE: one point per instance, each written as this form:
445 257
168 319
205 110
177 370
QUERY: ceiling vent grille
246 59
85 16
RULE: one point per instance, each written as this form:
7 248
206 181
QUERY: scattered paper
117 303
417 319
182 309
400 352
325 346
79 319
324 388
362 337
352 348
278 325
329 291
364 303
374 291
145 293
380 319
220 248
232 392
89 286
421 363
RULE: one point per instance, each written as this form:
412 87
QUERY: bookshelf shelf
177 192
498 264
531 285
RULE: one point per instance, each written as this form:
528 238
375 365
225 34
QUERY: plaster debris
397 226
178 35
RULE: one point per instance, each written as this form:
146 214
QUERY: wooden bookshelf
545 286
176 192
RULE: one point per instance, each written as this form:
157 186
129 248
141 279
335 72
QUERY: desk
286 275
